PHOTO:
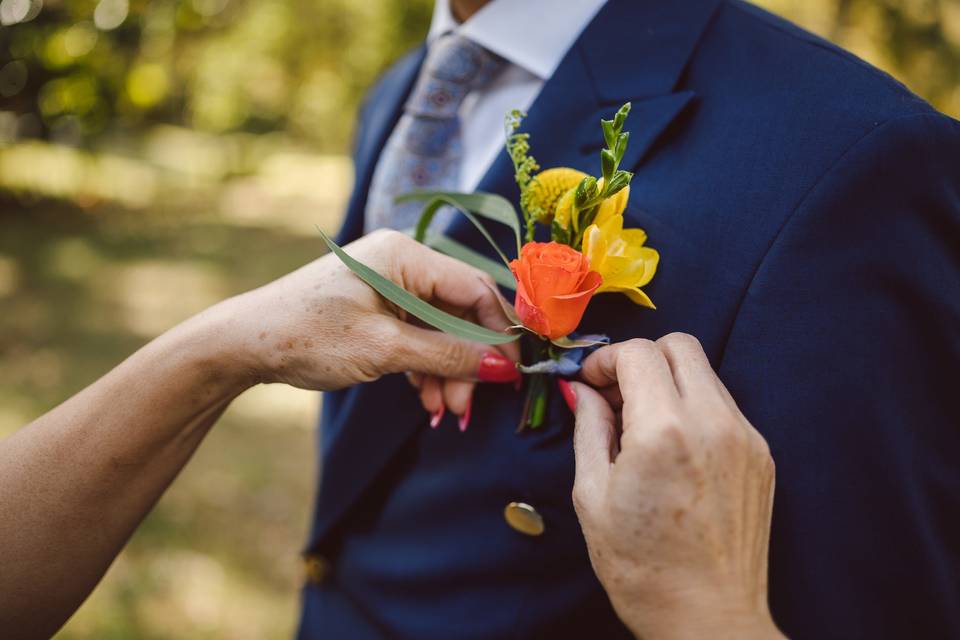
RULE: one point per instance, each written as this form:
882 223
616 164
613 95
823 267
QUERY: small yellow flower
548 187
612 206
619 256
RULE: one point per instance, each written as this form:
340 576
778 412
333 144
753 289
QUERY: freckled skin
76 482
677 516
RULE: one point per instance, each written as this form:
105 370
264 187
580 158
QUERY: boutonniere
589 252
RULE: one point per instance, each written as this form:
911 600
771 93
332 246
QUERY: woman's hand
323 328
674 490
101 460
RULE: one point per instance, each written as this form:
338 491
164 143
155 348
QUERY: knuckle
389 242
636 348
762 448
679 339
391 236
450 357
487 279
666 435
730 435
671 435
579 497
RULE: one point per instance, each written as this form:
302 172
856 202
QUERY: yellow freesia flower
619 256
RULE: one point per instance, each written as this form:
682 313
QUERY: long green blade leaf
486 205
417 307
454 249
431 210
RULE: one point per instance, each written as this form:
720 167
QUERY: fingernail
497 368
436 417
569 395
465 418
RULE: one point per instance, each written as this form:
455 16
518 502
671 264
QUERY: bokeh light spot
110 14
16 11
13 77
147 85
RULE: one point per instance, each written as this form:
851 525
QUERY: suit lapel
632 51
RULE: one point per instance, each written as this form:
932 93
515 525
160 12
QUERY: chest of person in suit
806 209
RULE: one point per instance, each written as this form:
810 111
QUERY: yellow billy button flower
549 187
620 258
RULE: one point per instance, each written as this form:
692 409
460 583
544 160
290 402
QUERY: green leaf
486 205
567 343
426 216
454 249
417 307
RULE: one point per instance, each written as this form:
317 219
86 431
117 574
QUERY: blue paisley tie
424 150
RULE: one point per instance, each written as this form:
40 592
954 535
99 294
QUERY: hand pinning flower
590 252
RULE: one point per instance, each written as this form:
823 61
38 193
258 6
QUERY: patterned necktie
424 150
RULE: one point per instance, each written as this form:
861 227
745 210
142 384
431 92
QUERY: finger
426 351
593 442
693 374
431 394
613 396
642 373
690 367
456 395
415 379
463 289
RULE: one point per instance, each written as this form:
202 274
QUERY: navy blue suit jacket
807 210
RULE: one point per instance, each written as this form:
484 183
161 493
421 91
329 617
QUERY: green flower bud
608 164
620 180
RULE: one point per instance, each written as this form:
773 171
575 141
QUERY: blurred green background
158 156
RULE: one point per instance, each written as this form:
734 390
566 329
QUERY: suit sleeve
845 354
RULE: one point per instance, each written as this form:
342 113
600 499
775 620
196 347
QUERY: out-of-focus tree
79 71
76 70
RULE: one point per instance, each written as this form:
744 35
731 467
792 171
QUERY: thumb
592 442
445 356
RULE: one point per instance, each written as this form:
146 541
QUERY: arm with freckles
76 482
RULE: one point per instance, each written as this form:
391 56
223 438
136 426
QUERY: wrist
218 347
702 620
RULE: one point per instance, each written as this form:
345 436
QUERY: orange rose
554 285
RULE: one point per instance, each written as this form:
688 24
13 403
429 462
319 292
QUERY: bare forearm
76 482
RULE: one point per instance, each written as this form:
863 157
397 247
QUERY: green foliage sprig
524 165
589 195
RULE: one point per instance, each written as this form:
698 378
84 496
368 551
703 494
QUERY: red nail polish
569 395
496 368
436 417
465 418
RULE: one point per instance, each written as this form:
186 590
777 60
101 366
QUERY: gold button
315 568
523 518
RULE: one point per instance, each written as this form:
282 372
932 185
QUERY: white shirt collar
533 34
